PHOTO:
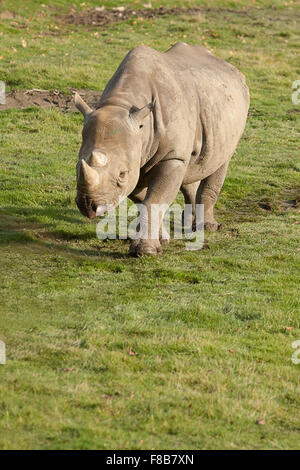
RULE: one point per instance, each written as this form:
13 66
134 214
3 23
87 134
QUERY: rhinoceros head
109 157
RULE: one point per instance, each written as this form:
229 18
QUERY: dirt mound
99 16
23 98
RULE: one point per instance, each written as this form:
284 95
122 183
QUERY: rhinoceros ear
138 115
81 105
87 175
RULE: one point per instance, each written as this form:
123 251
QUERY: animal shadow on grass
19 225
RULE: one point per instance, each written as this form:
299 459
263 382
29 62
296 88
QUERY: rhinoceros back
201 101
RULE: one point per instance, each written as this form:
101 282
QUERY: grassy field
212 330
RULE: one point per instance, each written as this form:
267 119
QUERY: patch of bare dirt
99 16
293 111
21 99
291 204
7 15
266 206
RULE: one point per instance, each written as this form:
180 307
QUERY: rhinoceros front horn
87 175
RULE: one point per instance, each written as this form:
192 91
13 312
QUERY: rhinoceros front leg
138 196
164 181
207 194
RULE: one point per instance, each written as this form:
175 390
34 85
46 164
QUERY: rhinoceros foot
164 236
212 226
140 247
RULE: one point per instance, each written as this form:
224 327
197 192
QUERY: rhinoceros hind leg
207 194
189 192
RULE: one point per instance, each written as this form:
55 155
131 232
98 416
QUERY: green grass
210 327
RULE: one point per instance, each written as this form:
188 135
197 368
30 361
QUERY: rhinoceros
165 122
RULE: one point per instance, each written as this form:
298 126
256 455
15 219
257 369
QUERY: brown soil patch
291 204
20 99
7 15
293 111
99 16
266 206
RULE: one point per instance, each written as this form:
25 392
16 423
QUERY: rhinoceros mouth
86 206
102 210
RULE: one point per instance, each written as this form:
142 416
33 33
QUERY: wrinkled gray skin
165 122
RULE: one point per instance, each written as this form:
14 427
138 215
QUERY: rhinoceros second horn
98 159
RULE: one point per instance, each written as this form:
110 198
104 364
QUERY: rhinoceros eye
122 174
